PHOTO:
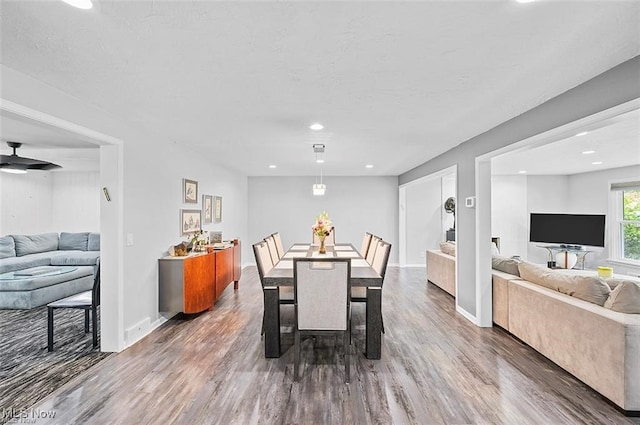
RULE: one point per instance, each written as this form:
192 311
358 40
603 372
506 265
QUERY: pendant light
319 188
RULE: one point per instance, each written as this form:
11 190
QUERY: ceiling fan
19 165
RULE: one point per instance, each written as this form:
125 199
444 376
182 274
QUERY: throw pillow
588 288
539 275
448 248
73 241
94 242
625 298
7 247
504 264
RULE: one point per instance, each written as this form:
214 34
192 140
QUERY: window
630 225
625 224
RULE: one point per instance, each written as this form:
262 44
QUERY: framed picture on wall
190 221
190 191
217 209
207 209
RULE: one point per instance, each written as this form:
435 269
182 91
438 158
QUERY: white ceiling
612 143
394 83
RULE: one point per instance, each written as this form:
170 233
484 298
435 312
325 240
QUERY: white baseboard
420 265
470 317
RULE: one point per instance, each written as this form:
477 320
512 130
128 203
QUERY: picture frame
207 209
217 209
190 221
190 191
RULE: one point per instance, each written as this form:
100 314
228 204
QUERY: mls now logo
25 416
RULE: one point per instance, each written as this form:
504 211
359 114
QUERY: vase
322 249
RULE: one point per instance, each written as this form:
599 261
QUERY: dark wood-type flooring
436 368
28 372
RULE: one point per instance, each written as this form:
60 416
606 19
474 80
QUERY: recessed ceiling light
588 152
582 133
316 126
369 166
272 166
596 163
525 1
320 160
80 4
522 172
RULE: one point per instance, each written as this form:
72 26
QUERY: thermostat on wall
470 202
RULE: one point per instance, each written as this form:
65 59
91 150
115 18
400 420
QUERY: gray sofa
71 260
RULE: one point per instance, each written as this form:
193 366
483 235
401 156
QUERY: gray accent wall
614 87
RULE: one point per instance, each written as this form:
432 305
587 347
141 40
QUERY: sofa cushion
537 274
625 298
504 264
75 258
588 288
94 242
448 248
20 263
33 244
73 241
7 247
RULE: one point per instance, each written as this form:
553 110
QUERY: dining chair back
263 259
273 251
329 240
322 302
278 240
264 264
366 241
379 264
381 258
373 246
87 301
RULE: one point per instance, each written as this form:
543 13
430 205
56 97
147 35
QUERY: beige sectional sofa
441 270
598 345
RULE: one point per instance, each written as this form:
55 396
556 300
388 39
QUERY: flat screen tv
567 229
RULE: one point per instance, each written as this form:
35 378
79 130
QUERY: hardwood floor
436 368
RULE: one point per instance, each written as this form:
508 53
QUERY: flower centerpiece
322 228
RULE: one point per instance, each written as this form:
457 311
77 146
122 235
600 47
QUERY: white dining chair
379 264
373 246
273 251
265 265
278 240
366 241
322 302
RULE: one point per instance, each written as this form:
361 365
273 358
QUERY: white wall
25 203
50 201
509 215
426 220
355 204
423 214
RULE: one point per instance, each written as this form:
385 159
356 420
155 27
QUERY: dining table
362 275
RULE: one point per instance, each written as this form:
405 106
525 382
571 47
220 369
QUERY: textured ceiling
394 83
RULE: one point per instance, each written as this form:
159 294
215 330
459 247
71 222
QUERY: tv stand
579 250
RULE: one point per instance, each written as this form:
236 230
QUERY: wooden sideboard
193 283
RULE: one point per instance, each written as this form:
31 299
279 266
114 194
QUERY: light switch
129 239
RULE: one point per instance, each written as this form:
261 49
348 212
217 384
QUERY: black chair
87 301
